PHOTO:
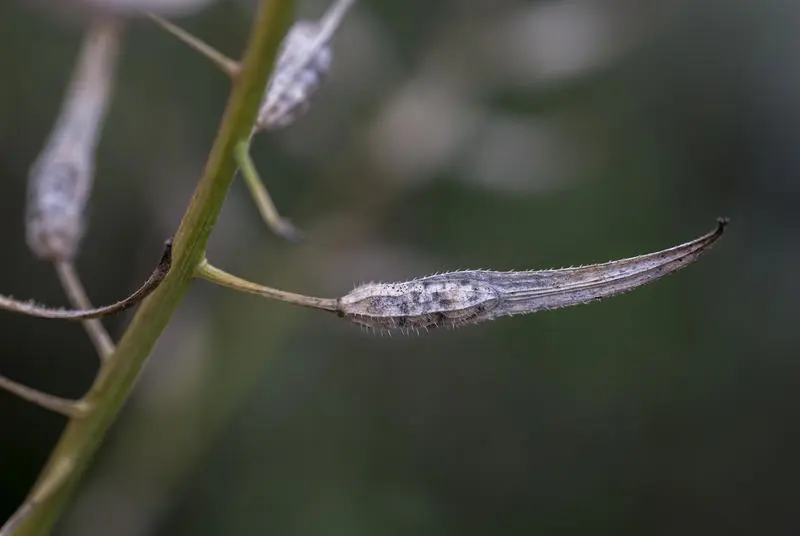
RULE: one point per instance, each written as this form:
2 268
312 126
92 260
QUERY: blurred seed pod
300 70
303 62
60 180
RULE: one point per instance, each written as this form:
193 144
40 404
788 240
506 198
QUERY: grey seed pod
299 72
304 61
458 298
454 299
60 180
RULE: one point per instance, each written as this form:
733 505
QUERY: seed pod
468 297
299 71
303 62
454 298
60 180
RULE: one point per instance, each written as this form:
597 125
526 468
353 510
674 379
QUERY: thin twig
220 60
40 311
223 278
76 293
266 207
64 406
332 18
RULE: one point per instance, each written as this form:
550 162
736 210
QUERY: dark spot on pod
376 304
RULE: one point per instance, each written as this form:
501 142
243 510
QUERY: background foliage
480 134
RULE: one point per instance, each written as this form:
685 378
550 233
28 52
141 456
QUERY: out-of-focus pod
303 63
60 180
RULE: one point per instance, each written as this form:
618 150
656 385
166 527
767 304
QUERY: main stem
83 435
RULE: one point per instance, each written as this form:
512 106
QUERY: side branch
79 299
220 60
31 308
220 277
64 406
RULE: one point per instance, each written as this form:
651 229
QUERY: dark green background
671 410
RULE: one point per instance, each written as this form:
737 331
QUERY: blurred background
497 134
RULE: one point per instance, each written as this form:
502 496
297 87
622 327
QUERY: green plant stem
83 436
266 207
223 278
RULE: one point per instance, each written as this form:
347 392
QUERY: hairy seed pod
60 180
458 298
454 299
304 61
